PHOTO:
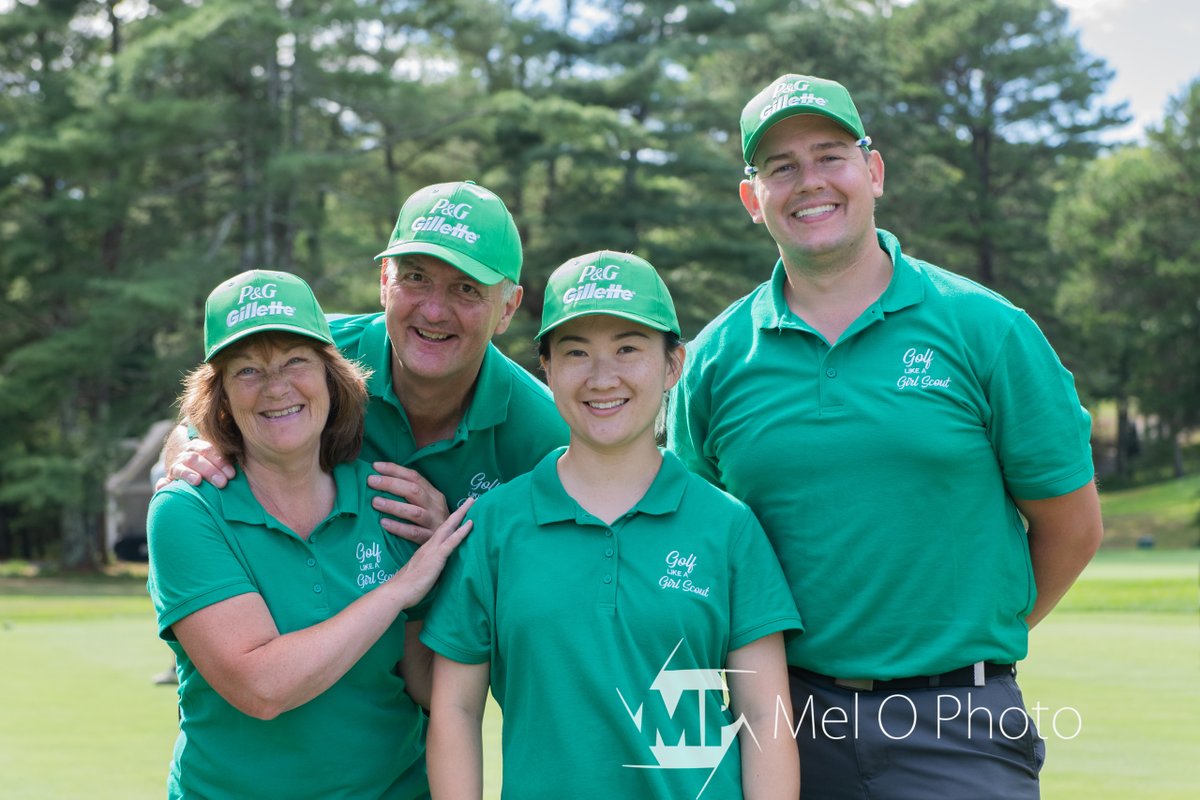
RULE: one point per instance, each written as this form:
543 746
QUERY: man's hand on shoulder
193 461
417 507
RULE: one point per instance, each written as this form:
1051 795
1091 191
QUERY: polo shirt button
312 562
608 578
317 588
608 552
831 372
608 533
312 539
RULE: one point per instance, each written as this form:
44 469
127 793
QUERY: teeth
285 412
606 404
812 212
437 337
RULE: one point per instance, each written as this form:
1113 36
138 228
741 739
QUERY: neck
434 407
829 296
609 483
294 491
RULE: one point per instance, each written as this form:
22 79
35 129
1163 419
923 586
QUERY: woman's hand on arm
454 749
238 648
759 691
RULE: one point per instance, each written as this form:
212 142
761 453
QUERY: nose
277 383
604 374
435 305
810 178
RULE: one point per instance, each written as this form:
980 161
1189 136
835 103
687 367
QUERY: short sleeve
687 426
460 624
192 563
1039 431
761 601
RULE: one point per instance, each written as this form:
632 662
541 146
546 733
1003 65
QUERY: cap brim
460 261
649 323
785 113
237 337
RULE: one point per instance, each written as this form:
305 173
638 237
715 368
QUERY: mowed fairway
79 717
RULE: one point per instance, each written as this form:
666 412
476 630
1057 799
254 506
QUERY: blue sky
1152 45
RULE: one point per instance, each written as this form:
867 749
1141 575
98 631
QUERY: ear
510 308
383 281
875 166
675 367
750 200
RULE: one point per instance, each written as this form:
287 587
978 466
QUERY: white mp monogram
662 710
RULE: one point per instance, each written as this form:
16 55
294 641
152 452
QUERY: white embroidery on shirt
370 565
916 364
679 568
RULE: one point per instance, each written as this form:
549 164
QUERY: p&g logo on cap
798 94
436 221
594 275
248 300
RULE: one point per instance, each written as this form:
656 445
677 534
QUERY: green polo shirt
510 424
362 737
601 638
883 467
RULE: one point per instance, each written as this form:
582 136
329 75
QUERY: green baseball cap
604 282
465 225
789 95
261 300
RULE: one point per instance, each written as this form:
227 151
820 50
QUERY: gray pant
945 743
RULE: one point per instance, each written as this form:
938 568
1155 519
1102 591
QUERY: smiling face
815 191
608 376
279 399
439 319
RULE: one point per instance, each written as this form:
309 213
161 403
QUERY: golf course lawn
1114 671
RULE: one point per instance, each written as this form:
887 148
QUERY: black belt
972 675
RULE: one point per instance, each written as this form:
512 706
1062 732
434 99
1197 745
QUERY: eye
628 348
297 361
245 372
780 170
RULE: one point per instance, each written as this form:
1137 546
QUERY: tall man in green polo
887 420
449 416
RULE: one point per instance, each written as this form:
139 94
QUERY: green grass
1121 654
1169 511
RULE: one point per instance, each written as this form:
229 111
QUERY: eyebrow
819 147
618 337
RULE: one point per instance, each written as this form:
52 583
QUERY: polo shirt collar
236 502
769 309
489 400
555 505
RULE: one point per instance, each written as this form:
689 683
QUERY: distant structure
128 492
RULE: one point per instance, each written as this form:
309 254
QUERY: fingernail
373 480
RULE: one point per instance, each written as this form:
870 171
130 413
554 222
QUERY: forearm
454 747
1064 534
417 666
454 755
238 649
770 765
173 445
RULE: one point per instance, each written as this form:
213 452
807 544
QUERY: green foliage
148 150
1127 227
